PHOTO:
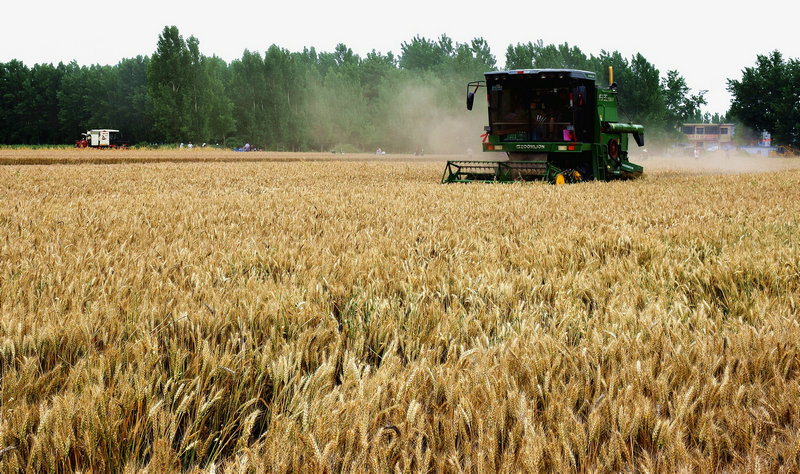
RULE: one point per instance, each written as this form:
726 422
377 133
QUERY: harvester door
579 107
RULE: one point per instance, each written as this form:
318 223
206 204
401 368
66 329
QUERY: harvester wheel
569 176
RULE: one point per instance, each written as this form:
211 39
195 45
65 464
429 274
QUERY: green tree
217 108
135 110
14 96
540 56
644 102
767 98
482 53
197 82
681 106
169 77
519 56
41 123
422 54
282 100
74 110
247 90
373 70
29 112
471 60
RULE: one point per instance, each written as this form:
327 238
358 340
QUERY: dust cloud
437 122
720 162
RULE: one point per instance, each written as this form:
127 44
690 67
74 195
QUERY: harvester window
525 109
508 114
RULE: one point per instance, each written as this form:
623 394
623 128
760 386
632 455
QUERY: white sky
707 42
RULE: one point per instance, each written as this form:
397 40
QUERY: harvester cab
555 125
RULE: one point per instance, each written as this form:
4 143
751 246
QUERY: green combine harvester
555 125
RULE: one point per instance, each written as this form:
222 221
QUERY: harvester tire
568 176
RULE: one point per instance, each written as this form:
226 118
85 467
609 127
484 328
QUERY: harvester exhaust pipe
611 83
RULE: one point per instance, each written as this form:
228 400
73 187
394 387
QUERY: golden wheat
201 313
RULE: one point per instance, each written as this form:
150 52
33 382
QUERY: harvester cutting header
555 125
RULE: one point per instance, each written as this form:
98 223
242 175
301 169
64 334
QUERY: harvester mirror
471 92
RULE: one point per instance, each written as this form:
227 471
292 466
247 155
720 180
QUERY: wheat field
198 311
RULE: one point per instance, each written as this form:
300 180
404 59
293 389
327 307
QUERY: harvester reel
569 176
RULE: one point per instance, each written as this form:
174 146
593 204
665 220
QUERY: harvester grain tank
555 125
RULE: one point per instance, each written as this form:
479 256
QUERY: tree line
307 100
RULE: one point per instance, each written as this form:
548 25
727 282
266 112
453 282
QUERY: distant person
378 152
246 147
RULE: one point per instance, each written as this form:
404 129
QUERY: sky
707 42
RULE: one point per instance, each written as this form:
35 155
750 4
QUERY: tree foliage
767 98
170 78
307 100
680 105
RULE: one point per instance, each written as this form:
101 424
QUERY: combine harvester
555 125
101 138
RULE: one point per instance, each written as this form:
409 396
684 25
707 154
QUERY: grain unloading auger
555 125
